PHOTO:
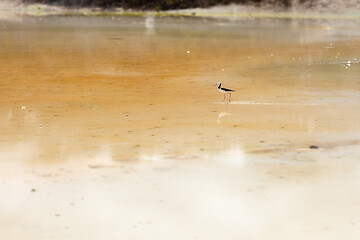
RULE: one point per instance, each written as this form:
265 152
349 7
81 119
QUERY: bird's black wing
228 90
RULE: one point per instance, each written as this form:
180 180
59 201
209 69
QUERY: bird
224 90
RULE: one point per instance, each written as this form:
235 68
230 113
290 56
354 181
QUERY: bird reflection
221 115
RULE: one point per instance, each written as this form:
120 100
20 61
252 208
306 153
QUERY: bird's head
218 84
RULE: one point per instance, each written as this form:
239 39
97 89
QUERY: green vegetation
161 4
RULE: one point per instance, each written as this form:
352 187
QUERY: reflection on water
272 103
221 115
150 25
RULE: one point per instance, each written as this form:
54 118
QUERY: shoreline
9 10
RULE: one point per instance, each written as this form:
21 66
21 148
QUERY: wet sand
117 130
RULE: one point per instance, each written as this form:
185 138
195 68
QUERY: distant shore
11 8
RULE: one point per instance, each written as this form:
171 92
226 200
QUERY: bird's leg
229 97
224 98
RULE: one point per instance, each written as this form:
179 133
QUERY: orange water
117 126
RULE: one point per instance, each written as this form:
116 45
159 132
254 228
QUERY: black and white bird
225 91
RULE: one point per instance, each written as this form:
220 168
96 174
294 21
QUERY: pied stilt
225 91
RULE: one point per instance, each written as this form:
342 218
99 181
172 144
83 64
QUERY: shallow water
119 119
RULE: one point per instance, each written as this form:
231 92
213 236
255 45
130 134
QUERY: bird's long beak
215 84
